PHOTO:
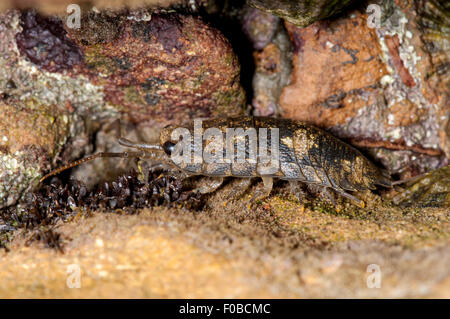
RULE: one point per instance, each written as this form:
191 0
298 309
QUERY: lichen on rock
164 69
369 85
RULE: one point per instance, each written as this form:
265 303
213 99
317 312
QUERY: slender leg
325 192
239 188
263 193
359 202
211 186
297 190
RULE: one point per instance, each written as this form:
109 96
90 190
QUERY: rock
31 135
300 12
37 118
374 87
430 190
60 6
260 27
161 68
272 60
44 42
331 63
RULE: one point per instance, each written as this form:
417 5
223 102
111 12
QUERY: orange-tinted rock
393 43
22 125
376 87
168 68
331 62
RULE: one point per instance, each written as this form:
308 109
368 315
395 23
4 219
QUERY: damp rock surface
430 190
272 57
162 69
374 87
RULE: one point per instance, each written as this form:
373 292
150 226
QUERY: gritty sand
279 248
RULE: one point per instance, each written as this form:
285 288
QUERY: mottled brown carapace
305 154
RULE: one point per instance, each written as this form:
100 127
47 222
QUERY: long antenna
142 146
90 158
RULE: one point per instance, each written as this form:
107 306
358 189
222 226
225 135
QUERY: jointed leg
359 202
297 190
263 193
211 186
239 188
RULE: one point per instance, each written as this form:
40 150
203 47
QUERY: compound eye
168 147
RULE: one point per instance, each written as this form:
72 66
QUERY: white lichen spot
391 119
387 79
395 134
140 16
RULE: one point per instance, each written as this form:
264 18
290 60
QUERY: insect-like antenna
146 151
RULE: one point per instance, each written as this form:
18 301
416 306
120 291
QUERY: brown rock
31 135
300 12
259 26
272 60
331 62
37 118
163 69
375 87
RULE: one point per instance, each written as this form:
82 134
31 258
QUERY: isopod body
306 154
247 147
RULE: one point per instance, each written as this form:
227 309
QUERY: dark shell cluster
58 202
128 191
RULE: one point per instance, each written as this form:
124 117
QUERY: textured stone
272 58
162 69
37 117
60 6
259 26
371 86
31 135
331 63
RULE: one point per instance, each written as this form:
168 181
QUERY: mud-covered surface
191 247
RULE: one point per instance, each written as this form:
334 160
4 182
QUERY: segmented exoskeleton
306 154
